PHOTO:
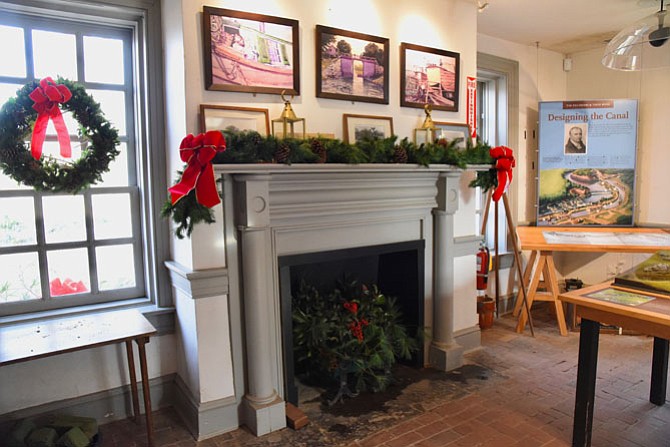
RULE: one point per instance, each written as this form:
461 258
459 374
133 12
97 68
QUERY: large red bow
47 96
198 152
504 163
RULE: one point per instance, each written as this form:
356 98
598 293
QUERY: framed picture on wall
247 52
429 76
359 127
452 131
215 117
351 66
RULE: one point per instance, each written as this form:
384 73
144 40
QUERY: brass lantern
425 133
287 120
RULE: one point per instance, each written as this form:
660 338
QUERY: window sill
162 318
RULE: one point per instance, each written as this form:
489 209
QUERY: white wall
541 78
590 80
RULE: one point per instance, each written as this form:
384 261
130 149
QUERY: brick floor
530 404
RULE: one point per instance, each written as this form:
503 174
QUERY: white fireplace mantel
275 210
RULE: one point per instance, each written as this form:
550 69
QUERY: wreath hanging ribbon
47 95
198 152
504 162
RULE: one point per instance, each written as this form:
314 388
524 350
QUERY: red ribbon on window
504 163
47 96
198 153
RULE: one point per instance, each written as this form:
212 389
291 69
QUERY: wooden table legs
659 372
545 269
141 341
586 379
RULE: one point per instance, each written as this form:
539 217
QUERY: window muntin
60 250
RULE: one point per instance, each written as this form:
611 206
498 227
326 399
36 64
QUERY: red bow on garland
47 96
504 163
198 153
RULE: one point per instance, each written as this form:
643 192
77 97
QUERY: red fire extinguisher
483 259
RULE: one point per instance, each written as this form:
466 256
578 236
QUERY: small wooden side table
38 339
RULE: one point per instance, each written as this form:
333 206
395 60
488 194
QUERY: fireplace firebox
397 268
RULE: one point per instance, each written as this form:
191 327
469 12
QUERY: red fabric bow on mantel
504 163
47 96
198 152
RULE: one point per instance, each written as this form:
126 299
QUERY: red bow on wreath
47 96
198 153
504 163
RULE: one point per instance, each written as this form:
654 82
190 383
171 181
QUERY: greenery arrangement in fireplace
350 337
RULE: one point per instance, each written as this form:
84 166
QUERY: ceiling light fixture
642 45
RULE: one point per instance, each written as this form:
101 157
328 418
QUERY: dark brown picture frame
380 126
218 117
429 76
238 64
340 74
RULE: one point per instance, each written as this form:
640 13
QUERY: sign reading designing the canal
587 162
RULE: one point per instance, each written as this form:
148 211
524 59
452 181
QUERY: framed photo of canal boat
247 52
351 66
360 127
429 76
587 162
216 117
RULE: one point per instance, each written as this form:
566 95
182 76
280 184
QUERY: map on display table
620 297
652 275
607 238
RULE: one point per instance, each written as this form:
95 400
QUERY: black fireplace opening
398 270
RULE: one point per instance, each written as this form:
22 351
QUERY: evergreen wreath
17 118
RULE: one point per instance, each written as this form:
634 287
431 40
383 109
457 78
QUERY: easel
517 258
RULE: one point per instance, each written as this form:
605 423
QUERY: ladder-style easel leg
526 281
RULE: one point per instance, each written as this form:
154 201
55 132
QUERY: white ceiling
565 26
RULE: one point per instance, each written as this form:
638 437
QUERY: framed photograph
351 66
358 127
247 52
215 117
429 76
452 131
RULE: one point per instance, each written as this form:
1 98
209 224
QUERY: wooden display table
540 272
39 339
646 314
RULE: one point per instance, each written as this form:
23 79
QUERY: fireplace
398 270
273 218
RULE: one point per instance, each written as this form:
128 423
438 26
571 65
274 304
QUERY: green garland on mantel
249 147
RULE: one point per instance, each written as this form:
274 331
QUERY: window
60 250
498 105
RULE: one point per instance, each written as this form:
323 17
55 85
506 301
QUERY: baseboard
205 420
105 406
469 338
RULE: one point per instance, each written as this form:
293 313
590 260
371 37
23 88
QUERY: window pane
7 91
19 278
12 52
17 222
113 105
111 216
64 218
116 267
54 54
68 271
104 60
51 148
118 169
7 183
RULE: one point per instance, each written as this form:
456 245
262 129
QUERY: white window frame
151 232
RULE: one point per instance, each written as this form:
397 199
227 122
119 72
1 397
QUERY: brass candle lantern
287 120
425 133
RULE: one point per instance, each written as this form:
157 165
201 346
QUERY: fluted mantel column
264 410
445 353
